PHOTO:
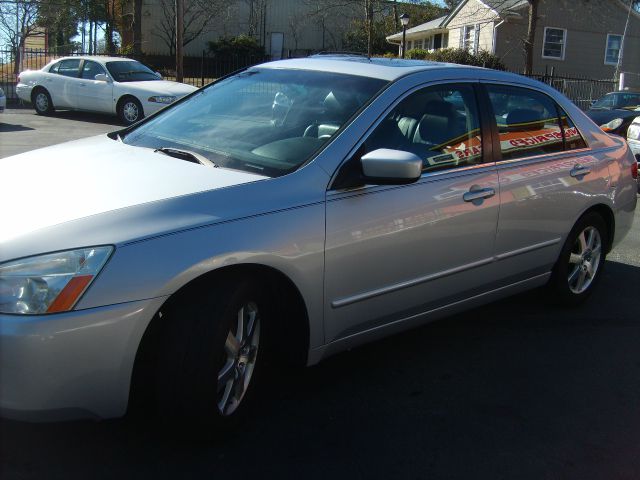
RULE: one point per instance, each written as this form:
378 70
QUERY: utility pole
17 60
179 39
618 77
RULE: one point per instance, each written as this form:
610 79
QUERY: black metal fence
581 91
200 70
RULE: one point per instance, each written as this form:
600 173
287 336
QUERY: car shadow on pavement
515 389
12 127
87 117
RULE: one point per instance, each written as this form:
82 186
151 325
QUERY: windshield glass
130 71
265 121
618 100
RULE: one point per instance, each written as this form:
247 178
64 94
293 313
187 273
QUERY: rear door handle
579 171
478 194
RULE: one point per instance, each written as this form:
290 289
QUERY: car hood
160 87
87 177
601 117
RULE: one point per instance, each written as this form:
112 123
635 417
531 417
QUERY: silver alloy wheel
584 260
42 102
240 352
130 111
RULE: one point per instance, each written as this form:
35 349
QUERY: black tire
193 354
581 262
130 110
41 101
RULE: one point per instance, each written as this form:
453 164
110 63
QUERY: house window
469 38
554 43
612 53
419 43
437 41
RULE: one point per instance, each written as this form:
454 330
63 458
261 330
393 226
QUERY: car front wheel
130 111
211 355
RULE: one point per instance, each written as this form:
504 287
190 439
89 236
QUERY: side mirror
102 77
391 167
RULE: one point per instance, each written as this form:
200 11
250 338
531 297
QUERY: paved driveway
22 130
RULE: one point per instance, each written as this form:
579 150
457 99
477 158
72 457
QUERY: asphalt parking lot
22 130
514 390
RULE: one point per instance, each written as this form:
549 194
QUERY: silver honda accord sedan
294 209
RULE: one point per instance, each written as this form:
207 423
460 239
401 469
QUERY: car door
547 176
63 86
94 95
394 252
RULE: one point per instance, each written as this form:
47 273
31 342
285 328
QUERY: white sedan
99 84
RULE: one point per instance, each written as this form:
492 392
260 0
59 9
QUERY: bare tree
297 23
198 15
531 36
18 21
256 16
365 9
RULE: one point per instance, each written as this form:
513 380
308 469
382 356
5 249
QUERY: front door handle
478 194
579 171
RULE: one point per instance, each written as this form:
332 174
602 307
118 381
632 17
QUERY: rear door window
572 138
69 67
528 122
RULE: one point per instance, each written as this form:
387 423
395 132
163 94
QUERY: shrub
459 56
242 45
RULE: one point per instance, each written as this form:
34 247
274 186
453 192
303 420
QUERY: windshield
627 101
265 121
130 71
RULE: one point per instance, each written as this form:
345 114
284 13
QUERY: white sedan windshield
267 121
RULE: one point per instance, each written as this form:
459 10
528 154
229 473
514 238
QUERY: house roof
498 6
502 5
434 24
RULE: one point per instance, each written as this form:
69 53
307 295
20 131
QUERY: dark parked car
615 111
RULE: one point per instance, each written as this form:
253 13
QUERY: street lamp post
404 19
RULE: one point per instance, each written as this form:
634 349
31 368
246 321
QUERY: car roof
96 58
391 69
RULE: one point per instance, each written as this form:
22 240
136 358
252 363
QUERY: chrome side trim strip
530 248
342 302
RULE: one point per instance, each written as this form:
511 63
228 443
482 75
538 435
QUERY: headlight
162 99
49 283
634 132
612 125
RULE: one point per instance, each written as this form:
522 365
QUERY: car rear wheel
581 261
42 102
130 111
211 355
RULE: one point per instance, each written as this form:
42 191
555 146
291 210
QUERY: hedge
458 55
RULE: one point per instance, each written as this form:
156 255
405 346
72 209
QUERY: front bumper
71 365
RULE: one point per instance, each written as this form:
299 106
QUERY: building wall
302 28
473 13
587 23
